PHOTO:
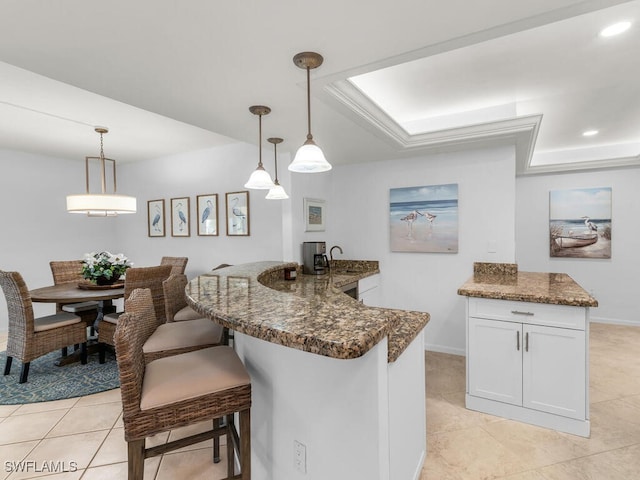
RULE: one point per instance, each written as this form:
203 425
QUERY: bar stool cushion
174 336
189 375
186 313
56 320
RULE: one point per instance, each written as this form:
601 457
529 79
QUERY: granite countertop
552 288
310 313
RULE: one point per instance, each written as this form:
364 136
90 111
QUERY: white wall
218 170
37 228
613 282
358 221
35 225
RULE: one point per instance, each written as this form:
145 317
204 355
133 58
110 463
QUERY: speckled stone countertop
310 313
553 288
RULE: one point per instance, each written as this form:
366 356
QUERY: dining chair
138 277
179 390
30 337
179 264
70 271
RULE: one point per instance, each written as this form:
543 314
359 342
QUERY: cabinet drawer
367 283
563 316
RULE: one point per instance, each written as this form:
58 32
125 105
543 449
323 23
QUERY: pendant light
101 204
260 178
309 157
277 192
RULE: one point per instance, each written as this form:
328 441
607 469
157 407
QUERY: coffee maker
314 258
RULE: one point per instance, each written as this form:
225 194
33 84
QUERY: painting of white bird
180 217
237 213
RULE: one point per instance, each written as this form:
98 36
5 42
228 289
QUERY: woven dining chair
140 277
29 337
70 271
179 264
179 390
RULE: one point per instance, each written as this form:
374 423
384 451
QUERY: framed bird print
580 223
207 210
237 204
155 218
180 217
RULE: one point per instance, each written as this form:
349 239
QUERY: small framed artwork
155 218
207 211
180 217
237 213
314 215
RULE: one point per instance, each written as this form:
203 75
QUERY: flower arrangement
104 268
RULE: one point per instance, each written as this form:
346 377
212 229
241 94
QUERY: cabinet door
495 360
554 370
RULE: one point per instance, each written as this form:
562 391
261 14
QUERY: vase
105 281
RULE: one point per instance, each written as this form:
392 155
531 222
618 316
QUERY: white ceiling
398 77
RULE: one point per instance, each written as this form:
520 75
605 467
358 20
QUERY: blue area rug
48 382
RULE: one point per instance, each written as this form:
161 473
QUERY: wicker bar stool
141 277
180 390
29 337
179 264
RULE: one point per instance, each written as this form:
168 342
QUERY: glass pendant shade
309 159
277 193
101 204
259 180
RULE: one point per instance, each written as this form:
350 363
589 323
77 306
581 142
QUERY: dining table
76 292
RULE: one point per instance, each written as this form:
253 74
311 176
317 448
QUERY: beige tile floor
462 445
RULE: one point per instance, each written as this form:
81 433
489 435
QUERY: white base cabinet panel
522 365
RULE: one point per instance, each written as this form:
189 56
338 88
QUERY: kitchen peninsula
528 346
338 386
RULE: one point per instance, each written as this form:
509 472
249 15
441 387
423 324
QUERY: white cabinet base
526 415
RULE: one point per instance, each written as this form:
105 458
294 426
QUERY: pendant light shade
102 204
309 157
260 178
277 192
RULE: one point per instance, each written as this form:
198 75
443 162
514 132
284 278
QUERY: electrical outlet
299 456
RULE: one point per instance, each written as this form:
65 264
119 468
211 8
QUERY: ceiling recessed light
615 29
589 133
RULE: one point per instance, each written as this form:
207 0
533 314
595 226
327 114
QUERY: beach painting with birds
580 223
424 219
155 218
207 206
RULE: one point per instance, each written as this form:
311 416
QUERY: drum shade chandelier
309 157
102 204
260 178
277 192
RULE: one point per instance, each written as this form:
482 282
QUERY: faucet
331 251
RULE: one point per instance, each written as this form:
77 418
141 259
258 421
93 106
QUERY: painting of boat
574 241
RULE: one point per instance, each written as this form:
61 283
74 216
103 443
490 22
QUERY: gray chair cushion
54 321
80 307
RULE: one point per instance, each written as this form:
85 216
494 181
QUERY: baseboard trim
444 349
614 321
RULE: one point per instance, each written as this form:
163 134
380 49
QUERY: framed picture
237 213
180 217
424 219
155 218
207 212
314 215
580 223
